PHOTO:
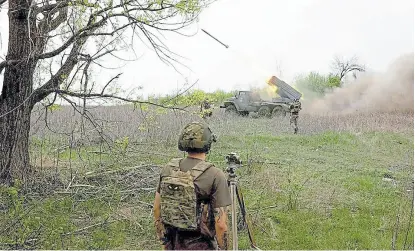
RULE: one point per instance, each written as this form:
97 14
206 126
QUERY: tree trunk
14 145
15 100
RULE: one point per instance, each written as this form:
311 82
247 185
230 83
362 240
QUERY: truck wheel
264 111
278 111
244 113
231 109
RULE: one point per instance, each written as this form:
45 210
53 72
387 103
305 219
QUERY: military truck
245 102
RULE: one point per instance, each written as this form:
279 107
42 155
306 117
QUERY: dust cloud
392 90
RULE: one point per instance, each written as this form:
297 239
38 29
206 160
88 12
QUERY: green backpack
179 205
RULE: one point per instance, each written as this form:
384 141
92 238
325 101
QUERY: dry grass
330 176
163 126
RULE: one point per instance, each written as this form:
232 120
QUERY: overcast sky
272 37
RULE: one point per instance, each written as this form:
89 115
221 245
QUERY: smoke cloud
266 93
392 90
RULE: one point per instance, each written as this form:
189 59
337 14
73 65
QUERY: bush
192 98
316 84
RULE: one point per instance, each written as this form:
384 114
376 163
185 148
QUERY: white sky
297 36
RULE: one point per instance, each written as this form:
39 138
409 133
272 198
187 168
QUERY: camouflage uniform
206 109
293 121
295 109
187 212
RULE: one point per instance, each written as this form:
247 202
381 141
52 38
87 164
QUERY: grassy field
344 182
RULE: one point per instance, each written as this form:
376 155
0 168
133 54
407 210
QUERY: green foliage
188 6
316 83
192 98
54 222
54 107
333 81
122 144
24 223
328 195
84 3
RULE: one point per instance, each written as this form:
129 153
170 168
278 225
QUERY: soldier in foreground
190 207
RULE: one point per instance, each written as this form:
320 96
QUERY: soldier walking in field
190 207
293 121
294 110
206 108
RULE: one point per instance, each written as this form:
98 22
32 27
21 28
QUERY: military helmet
196 137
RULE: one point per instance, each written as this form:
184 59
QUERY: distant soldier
295 109
206 108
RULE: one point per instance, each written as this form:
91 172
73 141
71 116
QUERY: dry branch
99 95
95 174
88 227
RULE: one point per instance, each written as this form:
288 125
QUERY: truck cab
242 103
247 101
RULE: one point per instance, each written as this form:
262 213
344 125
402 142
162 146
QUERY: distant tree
63 38
195 97
316 84
333 81
342 67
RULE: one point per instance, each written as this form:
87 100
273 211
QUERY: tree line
319 84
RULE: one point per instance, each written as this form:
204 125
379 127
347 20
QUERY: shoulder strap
174 164
200 168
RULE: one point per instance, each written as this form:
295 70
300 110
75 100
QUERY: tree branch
343 67
99 95
53 6
181 93
109 82
61 74
144 17
6 63
82 33
114 31
91 26
50 24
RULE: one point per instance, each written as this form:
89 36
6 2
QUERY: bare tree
342 67
65 38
